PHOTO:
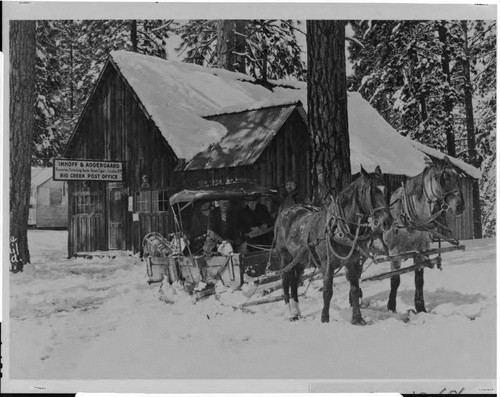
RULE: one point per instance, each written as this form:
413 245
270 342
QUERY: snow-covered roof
178 96
467 168
40 175
248 135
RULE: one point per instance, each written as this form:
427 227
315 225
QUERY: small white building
48 200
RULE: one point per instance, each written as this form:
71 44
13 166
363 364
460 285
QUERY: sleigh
169 259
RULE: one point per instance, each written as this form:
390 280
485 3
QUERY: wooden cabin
48 200
173 125
151 115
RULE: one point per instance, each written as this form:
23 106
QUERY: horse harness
337 230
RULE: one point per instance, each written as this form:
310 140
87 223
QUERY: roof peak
282 83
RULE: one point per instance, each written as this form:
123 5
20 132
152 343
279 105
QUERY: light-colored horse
418 208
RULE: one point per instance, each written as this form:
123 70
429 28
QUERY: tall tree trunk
448 101
471 136
265 54
133 34
416 84
240 45
231 45
224 34
71 79
21 108
327 107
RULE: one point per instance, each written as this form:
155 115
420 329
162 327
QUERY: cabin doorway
117 210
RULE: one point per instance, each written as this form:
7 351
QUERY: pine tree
327 106
22 99
471 136
447 91
230 44
264 49
415 74
400 71
51 110
483 54
70 56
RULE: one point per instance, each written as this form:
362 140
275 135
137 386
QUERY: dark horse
329 237
419 208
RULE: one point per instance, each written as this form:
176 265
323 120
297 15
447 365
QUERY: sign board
87 170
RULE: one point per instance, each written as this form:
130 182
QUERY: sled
169 259
426 262
413 254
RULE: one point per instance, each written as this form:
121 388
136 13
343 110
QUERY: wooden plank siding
462 226
115 127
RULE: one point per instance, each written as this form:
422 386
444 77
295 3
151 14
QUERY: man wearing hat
255 222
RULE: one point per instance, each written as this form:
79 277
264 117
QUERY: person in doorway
290 195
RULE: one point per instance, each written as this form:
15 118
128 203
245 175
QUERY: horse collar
340 228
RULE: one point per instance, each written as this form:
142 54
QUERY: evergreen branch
166 25
199 47
482 35
290 25
118 27
153 40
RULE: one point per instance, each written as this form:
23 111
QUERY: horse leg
353 275
327 293
419 291
285 277
294 286
395 281
363 259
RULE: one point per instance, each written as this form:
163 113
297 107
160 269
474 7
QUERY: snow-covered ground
98 319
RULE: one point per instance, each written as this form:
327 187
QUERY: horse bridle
371 221
439 199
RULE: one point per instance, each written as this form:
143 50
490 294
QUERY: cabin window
143 201
160 201
151 201
88 204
